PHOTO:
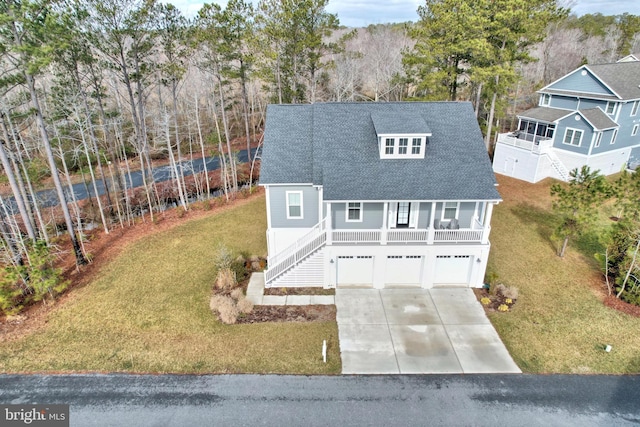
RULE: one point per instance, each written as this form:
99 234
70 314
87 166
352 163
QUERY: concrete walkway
255 294
416 331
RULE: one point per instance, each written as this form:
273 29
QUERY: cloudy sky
357 13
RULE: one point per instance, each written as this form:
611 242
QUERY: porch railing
393 236
457 236
538 145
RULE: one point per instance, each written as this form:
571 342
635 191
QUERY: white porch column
487 224
320 204
329 225
431 231
385 222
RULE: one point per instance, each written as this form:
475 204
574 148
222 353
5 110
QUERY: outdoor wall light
331 262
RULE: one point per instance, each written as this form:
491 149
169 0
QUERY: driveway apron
417 331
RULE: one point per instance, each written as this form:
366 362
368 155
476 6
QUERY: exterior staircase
299 261
557 164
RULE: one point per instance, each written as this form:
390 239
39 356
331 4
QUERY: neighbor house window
388 146
634 131
598 139
545 99
572 137
450 210
403 143
634 109
613 137
416 145
354 212
611 107
294 204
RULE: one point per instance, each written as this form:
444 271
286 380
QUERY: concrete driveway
417 331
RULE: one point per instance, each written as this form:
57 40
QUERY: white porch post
329 226
430 230
385 220
486 225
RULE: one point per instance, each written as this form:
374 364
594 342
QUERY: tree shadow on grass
543 221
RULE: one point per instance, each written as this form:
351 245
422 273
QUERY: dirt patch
290 313
495 301
104 248
299 291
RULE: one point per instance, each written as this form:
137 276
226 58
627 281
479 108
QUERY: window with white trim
572 137
388 145
354 212
634 109
634 131
294 204
613 137
611 107
545 99
403 143
598 139
416 145
450 210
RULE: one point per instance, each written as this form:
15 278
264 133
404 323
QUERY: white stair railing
298 251
558 165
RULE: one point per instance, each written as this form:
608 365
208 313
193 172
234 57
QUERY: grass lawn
559 323
148 311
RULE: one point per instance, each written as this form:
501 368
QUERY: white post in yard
324 351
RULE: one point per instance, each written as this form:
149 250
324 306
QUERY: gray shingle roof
335 145
598 118
545 114
394 121
622 77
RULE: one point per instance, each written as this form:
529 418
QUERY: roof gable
581 80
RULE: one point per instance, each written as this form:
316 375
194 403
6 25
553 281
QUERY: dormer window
403 147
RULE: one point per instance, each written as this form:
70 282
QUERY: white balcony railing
416 236
538 145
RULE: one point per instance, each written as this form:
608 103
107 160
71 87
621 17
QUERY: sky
360 13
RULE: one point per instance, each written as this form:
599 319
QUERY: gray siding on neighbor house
585 104
278 206
605 143
564 102
576 82
372 214
571 122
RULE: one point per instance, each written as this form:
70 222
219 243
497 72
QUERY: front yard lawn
559 323
148 311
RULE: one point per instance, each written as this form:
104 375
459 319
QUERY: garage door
403 270
355 271
452 269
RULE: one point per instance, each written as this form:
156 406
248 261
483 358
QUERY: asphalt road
270 400
161 173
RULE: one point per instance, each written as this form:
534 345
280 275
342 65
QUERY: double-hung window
572 137
416 144
613 137
545 99
634 131
634 109
403 143
598 139
294 204
388 145
354 212
611 107
450 210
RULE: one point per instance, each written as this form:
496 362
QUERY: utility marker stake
324 351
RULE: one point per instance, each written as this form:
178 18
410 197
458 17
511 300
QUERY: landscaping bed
299 291
289 313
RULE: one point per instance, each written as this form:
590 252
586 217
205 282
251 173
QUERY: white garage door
452 269
355 271
403 270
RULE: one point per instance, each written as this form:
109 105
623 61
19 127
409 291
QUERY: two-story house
376 194
590 117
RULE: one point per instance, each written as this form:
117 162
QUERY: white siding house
376 195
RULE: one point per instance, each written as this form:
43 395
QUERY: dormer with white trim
400 136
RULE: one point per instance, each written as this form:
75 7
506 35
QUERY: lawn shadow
544 221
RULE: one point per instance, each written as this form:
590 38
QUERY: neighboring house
376 194
590 117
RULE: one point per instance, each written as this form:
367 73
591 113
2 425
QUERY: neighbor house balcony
537 144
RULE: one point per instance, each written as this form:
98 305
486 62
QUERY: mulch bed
290 313
299 291
496 300
617 304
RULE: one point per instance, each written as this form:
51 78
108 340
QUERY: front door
404 211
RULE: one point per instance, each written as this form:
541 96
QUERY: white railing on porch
406 236
539 146
301 249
